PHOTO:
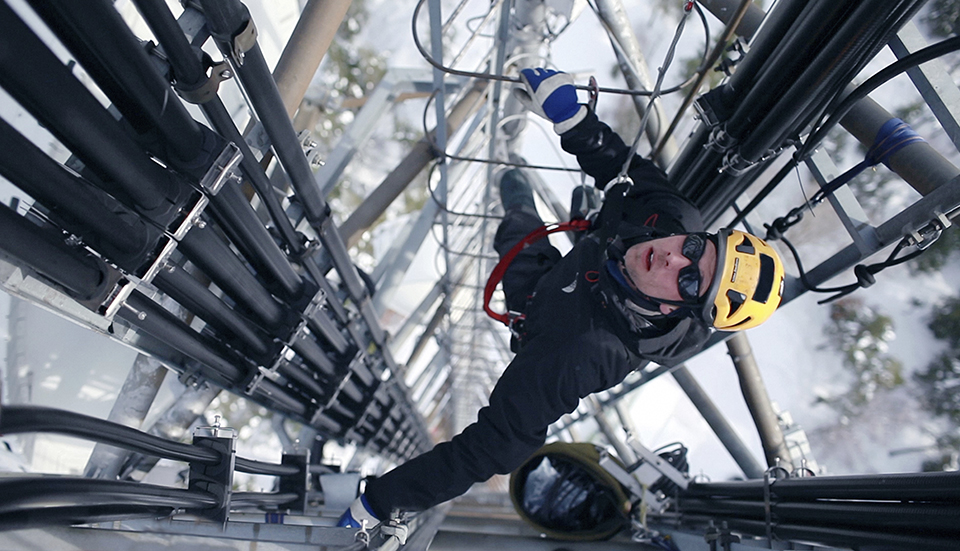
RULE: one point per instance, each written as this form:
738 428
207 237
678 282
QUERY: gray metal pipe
633 65
422 153
758 402
624 452
303 53
721 427
133 402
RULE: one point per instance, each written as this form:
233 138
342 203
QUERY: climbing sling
509 318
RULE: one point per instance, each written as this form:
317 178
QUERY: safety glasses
689 277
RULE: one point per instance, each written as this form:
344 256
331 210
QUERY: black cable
444 208
32 492
60 516
865 272
488 76
837 112
900 66
428 135
703 59
19 419
261 499
254 466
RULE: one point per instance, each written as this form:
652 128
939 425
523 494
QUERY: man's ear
667 308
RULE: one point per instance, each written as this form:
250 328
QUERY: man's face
654 266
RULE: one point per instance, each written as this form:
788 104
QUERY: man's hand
552 95
358 512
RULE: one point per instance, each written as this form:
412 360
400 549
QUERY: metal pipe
919 164
172 424
758 402
133 402
416 160
712 415
442 309
624 452
37 79
82 276
80 207
633 66
312 36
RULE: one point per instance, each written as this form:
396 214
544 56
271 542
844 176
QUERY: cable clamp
394 528
776 472
243 41
923 237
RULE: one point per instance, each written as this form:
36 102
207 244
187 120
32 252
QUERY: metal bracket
296 483
219 72
656 502
216 479
660 464
243 41
395 528
224 168
927 235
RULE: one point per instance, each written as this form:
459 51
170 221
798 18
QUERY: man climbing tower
645 284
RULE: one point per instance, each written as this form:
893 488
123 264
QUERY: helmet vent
746 247
736 299
765 282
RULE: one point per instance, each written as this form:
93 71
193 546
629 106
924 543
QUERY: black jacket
577 341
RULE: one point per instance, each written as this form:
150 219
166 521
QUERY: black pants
532 263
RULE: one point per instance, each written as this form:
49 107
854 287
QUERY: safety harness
510 318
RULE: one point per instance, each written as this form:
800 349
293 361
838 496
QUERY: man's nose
676 261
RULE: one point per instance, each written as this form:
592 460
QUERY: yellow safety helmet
747 284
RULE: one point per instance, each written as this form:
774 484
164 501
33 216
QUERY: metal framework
212 250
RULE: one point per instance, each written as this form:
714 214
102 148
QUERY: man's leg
519 220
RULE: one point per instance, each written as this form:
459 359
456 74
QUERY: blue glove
552 95
358 512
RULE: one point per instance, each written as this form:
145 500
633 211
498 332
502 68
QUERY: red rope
497 275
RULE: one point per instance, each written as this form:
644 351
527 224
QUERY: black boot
515 191
583 202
